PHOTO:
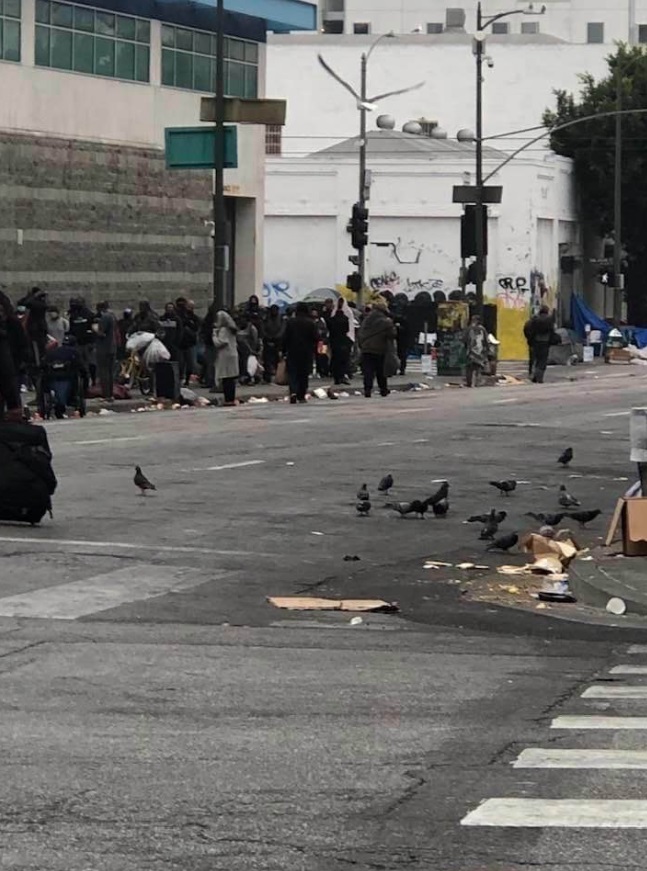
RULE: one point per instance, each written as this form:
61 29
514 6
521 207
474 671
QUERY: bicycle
133 373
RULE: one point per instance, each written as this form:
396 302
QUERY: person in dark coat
541 333
14 355
375 334
299 348
340 345
36 304
170 324
81 320
527 332
145 321
273 336
189 340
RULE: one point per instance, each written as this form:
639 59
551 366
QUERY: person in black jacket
170 324
36 304
299 348
340 344
190 331
81 320
14 354
540 335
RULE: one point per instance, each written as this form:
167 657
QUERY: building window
435 27
361 27
501 27
87 40
334 6
273 134
530 27
595 32
10 30
333 27
188 61
642 33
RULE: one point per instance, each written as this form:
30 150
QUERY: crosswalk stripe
599 723
537 757
559 813
101 592
637 649
629 669
612 692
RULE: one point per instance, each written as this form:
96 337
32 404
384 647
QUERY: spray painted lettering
513 292
392 282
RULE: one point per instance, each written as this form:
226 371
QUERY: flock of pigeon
490 521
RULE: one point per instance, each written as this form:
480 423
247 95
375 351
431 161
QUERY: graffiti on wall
280 293
513 292
541 290
393 282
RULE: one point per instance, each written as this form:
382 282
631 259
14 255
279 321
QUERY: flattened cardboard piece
307 603
539 546
613 534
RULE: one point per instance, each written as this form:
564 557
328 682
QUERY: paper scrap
306 603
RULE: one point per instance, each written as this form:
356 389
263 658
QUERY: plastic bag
252 365
281 377
155 353
138 341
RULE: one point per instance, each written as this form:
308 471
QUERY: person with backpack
107 339
81 321
541 335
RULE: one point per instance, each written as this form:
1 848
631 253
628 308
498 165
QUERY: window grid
435 27
189 61
531 27
10 11
273 139
595 32
361 27
642 33
501 27
87 40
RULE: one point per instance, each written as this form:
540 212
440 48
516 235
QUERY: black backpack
27 480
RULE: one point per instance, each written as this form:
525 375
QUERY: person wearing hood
123 328
145 321
36 304
476 347
14 355
254 314
540 336
375 334
190 330
227 368
57 327
170 324
81 320
273 335
340 344
300 347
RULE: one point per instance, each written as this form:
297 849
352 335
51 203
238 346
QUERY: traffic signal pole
361 252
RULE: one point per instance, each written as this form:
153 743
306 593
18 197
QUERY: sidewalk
608 576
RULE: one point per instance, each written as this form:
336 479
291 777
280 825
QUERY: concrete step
595 582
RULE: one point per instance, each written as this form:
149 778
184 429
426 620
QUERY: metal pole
633 40
479 222
361 253
617 203
220 247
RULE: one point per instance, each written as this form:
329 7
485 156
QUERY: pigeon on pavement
385 484
547 519
441 508
497 516
584 517
414 507
505 487
441 494
566 457
363 507
565 498
489 530
363 494
504 543
142 482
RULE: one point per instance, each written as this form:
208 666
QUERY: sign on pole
194 147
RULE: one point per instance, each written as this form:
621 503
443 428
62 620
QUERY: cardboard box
631 516
618 355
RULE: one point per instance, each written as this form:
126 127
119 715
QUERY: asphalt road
158 714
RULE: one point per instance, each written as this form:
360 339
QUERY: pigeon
504 543
441 508
584 517
440 495
505 487
363 507
566 457
489 530
547 519
385 484
497 516
565 498
142 481
363 494
404 508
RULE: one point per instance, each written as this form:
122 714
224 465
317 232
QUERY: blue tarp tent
581 315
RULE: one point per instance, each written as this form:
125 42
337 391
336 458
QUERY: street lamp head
532 11
466 135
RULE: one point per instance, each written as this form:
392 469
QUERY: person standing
527 332
81 320
145 321
57 327
541 331
171 326
299 348
123 330
476 348
376 333
14 355
338 327
322 361
273 336
106 348
189 339
224 342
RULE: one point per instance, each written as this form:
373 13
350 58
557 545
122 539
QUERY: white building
87 92
415 227
517 89
575 21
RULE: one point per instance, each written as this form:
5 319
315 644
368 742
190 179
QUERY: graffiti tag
513 292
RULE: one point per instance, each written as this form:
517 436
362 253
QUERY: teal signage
193 147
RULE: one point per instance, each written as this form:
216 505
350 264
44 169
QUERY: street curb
593 584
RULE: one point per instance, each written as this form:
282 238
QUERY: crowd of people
220 350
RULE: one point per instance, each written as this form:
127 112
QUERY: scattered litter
547 565
555 596
616 606
343 395
290 463
512 570
104 411
320 393
351 559
306 603
542 606
512 589
466 566
606 432
317 533
433 564
257 399
508 380
540 546
621 479
355 621
586 559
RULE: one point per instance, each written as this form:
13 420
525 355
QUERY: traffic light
359 226
354 282
468 232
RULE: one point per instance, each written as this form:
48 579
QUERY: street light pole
479 223
618 283
220 247
361 253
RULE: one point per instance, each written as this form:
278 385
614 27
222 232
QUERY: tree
591 145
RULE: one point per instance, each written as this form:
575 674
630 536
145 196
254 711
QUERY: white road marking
629 669
227 466
613 692
385 444
617 414
559 813
637 649
101 592
110 440
599 723
537 757
506 401
124 545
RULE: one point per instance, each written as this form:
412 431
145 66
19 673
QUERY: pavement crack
418 780
567 695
